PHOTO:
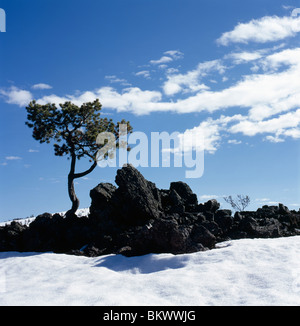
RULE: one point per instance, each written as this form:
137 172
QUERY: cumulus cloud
190 82
16 96
243 57
268 102
261 97
207 136
265 29
276 125
295 12
131 99
267 97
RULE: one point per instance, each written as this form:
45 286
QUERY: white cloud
207 136
174 54
172 71
286 7
242 57
208 197
234 141
131 99
274 139
115 79
33 150
292 132
167 57
143 73
295 12
264 94
41 86
16 96
268 101
164 66
13 158
265 29
276 125
189 82
54 99
266 201
163 59
208 131
286 57
261 96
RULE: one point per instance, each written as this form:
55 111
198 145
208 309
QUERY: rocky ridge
137 218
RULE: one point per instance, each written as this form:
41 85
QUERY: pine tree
74 130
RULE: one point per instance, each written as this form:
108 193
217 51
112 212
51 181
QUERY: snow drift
239 272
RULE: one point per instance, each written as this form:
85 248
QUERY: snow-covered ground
240 272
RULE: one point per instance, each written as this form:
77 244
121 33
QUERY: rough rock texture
136 200
136 218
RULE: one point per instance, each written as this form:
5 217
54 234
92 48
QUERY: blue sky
228 68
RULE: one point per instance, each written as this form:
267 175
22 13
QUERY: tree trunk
72 195
71 188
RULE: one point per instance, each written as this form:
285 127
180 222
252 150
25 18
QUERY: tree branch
82 174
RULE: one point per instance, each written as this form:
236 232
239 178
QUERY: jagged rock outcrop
136 199
137 218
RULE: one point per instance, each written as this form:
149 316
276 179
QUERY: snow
26 221
239 272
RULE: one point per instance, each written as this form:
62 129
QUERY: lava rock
136 200
200 234
211 206
185 192
137 218
101 196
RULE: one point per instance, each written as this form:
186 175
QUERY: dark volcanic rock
136 200
283 209
185 193
100 200
101 195
211 206
224 219
200 234
11 236
136 218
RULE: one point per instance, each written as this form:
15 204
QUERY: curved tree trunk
71 189
72 195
